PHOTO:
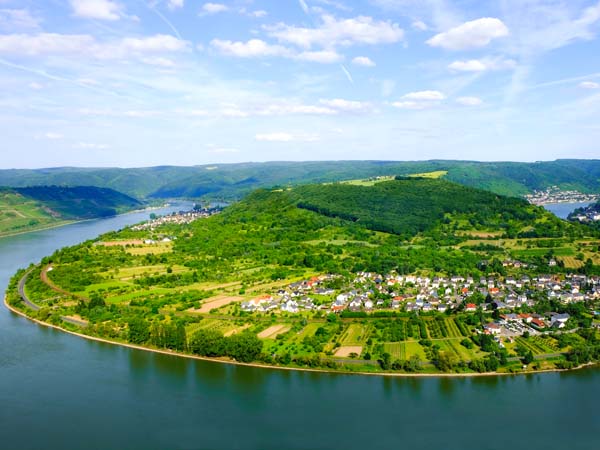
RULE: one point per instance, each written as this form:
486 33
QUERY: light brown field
274 331
122 243
237 330
155 249
216 302
346 350
571 261
480 234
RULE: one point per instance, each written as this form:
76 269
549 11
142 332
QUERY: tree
528 358
139 331
244 347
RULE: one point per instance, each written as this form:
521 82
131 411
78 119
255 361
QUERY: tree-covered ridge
233 181
80 202
408 206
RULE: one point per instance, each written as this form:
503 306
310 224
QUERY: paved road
35 307
24 297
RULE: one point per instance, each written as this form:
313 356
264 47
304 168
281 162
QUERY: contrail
347 73
163 18
44 74
306 10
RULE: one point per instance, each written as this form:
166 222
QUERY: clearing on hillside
216 302
274 331
346 350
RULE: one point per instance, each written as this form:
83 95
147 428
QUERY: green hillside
412 205
233 181
307 249
30 208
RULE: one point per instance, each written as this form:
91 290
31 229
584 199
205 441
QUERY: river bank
272 367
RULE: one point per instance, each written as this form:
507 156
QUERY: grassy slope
27 209
236 180
19 214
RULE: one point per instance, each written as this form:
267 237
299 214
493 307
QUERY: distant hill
233 181
29 208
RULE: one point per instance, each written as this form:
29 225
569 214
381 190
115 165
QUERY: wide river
58 391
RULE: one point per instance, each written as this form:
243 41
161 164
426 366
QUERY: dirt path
51 285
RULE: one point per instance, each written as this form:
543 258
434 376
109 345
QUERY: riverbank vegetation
190 287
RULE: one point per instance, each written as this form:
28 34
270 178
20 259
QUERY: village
177 218
588 214
507 296
555 195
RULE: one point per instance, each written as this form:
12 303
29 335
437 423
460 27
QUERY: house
559 320
471 307
538 323
492 328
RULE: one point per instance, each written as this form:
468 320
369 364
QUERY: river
59 391
562 210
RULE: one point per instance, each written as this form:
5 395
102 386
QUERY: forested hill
31 208
408 207
80 202
233 181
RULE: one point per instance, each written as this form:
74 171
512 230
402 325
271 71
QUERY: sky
134 83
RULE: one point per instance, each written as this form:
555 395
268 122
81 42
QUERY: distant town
588 214
555 195
177 218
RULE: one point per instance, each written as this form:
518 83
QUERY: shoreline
44 228
73 222
272 367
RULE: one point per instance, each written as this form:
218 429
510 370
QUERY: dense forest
233 181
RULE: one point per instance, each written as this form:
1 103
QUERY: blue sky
148 82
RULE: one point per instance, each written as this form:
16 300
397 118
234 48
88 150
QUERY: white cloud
469 101
254 48
285 137
257 48
321 56
274 137
304 6
17 19
350 106
474 34
90 146
425 96
258 14
363 61
345 32
174 4
53 136
420 100
286 108
589 85
45 43
214 8
83 45
420 25
159 61
409 104
482 65
35 86
224 150
97 9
